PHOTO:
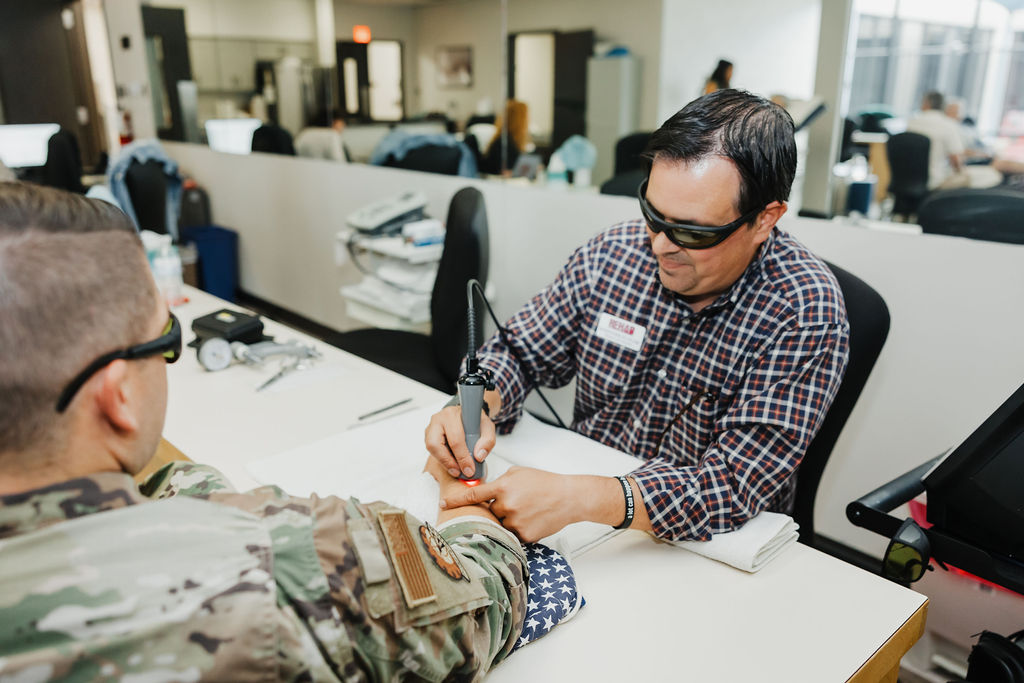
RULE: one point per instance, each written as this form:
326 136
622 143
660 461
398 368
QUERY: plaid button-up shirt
721 404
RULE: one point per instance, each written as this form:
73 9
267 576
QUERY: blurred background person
516 120
719 78
323 142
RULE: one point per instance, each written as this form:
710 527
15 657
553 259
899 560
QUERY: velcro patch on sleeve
408 563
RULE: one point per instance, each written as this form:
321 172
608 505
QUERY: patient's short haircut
749 130
26 205
74 284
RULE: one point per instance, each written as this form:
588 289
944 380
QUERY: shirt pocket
604 370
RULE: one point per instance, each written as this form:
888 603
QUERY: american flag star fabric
720 403
553 596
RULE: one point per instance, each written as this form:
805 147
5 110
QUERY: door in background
370 80
168 61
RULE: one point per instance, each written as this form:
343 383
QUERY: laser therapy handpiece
472 385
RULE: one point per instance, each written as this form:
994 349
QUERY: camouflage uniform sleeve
476 570
502 558
186 479
375 594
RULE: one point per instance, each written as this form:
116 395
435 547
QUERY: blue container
218 258
859 196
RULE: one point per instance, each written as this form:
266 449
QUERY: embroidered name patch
621 332
442 553
408 563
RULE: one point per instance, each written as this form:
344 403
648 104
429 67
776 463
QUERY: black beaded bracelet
628 491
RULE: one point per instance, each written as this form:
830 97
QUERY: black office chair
873 121
430 159
628 150
624 184
147 189
63 167
908 161
869 327
847 147
434 360
479 118
992 214
272 139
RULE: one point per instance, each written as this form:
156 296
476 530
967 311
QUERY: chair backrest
147 188
846 147
628 150
624 184
993 214
869 327
465 257
430 158
272 139
63 168
908 161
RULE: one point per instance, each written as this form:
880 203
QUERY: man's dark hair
752 132
934 100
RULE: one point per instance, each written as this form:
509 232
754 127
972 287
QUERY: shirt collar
31 510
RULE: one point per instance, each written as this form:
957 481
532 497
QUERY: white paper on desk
753 545
384 461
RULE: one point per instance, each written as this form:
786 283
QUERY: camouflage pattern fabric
182 579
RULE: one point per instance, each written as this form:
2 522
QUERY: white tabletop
654 612
219 418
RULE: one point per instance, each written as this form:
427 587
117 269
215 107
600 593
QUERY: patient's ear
114 397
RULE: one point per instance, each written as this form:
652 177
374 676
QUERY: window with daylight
971 50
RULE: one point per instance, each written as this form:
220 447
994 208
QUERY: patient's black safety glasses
906 559
168 344
689 236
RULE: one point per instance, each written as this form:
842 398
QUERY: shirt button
662 374
637 423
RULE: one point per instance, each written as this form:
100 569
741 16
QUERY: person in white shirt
322 142
945 161
974 146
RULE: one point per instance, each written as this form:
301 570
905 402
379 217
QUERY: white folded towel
752 546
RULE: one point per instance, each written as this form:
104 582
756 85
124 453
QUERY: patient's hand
451 488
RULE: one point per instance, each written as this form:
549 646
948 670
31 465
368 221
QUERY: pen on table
381 410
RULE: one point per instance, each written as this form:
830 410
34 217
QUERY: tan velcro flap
408 562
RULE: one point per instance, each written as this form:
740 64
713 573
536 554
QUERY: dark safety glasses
689 236
168 344
906 559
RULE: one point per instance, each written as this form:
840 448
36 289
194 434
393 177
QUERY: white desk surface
218 418
654 612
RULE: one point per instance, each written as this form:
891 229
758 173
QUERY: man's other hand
446 441
531 503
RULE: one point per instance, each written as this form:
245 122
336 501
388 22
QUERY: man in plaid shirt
703 339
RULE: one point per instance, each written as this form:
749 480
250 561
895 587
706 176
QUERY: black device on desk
975 500
229 325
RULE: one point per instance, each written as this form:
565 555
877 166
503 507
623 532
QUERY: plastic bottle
557 175
167 272
859 168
